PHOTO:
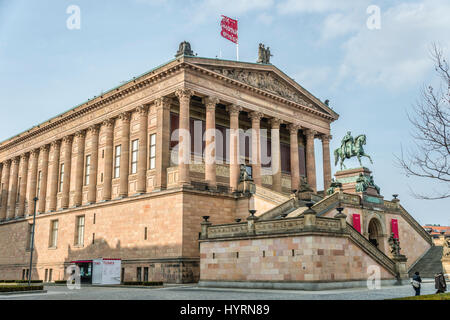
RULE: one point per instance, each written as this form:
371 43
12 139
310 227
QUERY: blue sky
372 77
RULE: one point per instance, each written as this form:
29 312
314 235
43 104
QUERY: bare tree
430 158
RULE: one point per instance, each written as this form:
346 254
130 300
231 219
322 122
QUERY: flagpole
237 51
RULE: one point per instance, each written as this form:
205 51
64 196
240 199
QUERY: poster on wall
106 271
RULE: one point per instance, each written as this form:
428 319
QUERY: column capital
55 143
125 116
34 153
310 133
275 123
325 137
109 123
24 156
44 148
80 134
142 110
94 129
6 163
68 139
184 93
211 102
16 160
255 115
234 109
293 128
163 102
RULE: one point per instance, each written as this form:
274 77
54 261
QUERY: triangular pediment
270 79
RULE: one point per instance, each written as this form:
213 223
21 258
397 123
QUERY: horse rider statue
351 147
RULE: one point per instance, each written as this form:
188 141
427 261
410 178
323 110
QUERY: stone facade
110 159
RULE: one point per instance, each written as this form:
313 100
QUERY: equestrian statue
351 147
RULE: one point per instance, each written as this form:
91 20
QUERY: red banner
229 29
394 227
357 222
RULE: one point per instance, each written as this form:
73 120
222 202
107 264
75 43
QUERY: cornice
137 84
263 92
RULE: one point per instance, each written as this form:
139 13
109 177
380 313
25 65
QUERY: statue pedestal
348 178
400 266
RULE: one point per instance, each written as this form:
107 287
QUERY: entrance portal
376 233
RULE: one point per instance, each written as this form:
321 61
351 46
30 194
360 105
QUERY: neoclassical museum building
107 180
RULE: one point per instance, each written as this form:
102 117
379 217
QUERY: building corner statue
333 186
363 182
351 147
184 50
243 175
264 54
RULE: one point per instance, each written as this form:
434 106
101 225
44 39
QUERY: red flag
394 227
357 222
229 29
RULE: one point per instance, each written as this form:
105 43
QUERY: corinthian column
56 150
142 153
23 183
67 141
162 141
184 149
275 151
5 187
256 147
79 169
108 126
295 169
34 157
92 188
234 111
326 161
44 173
210 137
310 159
125 154
13 188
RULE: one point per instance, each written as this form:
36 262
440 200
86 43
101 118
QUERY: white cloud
311 77
265 18
318 6
397 54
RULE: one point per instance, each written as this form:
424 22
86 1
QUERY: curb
22 292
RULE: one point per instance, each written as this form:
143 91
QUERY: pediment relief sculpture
267 82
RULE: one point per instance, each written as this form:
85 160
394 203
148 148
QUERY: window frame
117 155
152 152
134 156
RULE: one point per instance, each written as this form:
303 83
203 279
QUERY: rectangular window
50 275
61 177
18 190
134 155
139 274
46 275
145 274
53 233
39 184
87 170
145 233
23 274
117 162
79 232
30 234
153 151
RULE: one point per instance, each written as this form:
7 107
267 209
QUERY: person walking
416 282
439 283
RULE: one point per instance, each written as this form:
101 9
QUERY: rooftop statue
351 147
264 54
184 49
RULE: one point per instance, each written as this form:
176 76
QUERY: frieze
265 81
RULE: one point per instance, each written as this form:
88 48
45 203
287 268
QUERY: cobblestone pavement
193 292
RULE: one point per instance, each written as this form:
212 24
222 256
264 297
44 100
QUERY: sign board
106 271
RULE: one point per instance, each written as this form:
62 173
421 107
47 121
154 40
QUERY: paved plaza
193 292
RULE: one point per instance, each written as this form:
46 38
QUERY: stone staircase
429 264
